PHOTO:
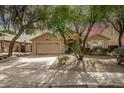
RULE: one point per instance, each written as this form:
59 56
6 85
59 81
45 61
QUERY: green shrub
99 50
112 47
86 50
92 62
118 52
63 59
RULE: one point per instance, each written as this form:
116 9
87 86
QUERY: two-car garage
48 48
47 44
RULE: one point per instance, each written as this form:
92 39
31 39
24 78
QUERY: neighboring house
113 35
21 45
98 40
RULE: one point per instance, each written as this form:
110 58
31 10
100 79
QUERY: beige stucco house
21 45
48 43
98 40
113 35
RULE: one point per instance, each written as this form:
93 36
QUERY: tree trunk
120 40
81 60
11 45
119 60
81 55
84 67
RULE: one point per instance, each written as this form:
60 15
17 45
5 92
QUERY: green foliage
86 50
30 18
111 48
115 16
77 15
58 20
67 19
92 62
9 32
99 50
85 15
76 47
118 52
63 59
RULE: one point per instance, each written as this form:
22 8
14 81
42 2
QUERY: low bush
112 47
87 50
92 62
63 59
119 54
99 50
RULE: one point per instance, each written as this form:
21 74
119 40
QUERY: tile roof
9 37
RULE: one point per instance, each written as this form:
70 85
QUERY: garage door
48 48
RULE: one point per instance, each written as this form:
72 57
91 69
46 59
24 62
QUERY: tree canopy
115 16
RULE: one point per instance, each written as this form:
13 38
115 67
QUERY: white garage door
48 48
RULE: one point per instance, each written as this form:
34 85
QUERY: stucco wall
100 38
113 35
5 45
114 40
47 38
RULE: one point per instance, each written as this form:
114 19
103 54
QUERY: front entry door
23 48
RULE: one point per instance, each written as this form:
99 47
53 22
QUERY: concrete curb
57 86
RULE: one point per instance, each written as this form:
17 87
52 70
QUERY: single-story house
48 43
100 36
113 35
21 45
98 40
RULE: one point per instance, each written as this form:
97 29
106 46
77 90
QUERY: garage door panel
48 48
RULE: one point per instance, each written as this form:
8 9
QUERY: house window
97 43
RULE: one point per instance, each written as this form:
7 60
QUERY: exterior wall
5 45
108 32
98 38
47 38
104 43
113 35
5 41
28 48
34 47
114 40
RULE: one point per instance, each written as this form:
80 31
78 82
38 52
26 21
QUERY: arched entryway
23 47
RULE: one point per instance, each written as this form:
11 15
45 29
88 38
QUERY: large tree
78 20
58 21
83 18
115 16
5 17
23 19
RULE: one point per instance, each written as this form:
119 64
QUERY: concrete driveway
33 71
24 71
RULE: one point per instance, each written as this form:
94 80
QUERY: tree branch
112 23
